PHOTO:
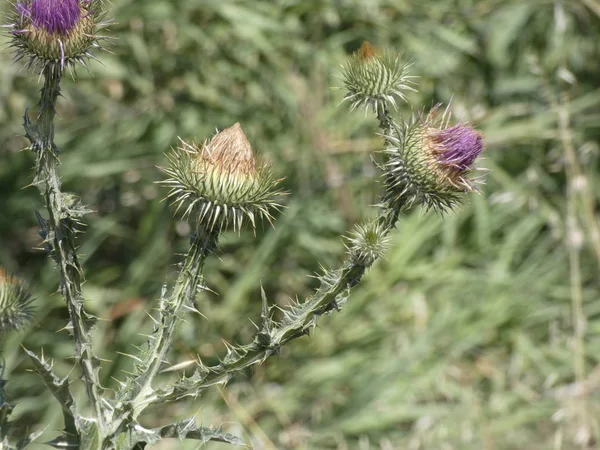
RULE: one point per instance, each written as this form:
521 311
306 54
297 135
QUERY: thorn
131 356
149 336
252 322
179 366
156 322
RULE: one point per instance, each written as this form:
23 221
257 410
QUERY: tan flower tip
222 181
367 51
5 277
231 151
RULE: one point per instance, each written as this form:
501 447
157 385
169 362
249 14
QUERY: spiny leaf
59 388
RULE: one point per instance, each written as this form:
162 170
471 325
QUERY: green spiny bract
429 162
367 243
16 300
56 33
375 78
221 181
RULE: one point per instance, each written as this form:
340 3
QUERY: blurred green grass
463 338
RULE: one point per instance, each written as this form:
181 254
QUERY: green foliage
463 336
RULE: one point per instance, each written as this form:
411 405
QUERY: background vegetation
481 331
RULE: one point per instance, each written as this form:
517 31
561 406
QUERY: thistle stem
202 244
385 120
60 232
298 321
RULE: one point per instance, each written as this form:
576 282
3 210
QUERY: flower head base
56 33
15 303
375 78
429 161
221 181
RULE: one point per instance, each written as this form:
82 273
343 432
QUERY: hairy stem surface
59 232
172 309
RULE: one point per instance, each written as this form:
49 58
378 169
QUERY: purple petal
24 10
460 145
55 16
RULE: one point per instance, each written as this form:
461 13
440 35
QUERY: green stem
388 215
299 320
60 232
385 120
171 311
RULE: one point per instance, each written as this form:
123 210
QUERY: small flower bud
221 181
367 242
56 32
375 78
429 161
15 303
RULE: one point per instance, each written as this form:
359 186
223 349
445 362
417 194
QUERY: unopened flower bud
221 181
367 242
430 162
15 303
56 33
375 78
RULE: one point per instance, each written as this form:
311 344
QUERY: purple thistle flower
52 16
458 146
54 34
431 162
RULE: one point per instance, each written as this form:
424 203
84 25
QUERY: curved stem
298 320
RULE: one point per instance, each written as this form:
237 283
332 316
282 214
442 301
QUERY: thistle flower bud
430 161
15 303
56 33
375 78
367 242
221 181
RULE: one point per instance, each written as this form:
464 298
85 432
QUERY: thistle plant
219 185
